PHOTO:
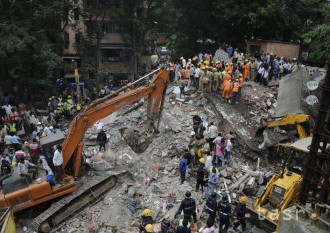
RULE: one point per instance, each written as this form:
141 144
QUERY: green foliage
234 21
31 40
320 36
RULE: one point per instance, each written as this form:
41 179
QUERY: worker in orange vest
246 69
226 77
234 92
184 73
226 89
240 81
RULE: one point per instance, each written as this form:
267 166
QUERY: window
112 27
76 13
113 55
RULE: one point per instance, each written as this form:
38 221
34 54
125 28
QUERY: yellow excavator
299 120
283 189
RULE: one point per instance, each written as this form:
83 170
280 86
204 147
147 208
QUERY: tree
234 21
31 41
320 36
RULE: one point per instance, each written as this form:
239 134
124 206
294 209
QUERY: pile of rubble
261 101
152 179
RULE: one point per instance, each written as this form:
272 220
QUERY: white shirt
217 140
7 108
197 72
229 145
184 62
24 167
208 162
58 158
7 139
213 131
261 71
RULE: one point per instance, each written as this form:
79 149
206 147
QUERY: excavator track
88 193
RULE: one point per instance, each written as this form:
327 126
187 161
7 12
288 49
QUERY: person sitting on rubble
184 228
188 206
146 219
27 169
6 171
211 207
102 139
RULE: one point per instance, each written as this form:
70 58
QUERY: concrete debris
152 160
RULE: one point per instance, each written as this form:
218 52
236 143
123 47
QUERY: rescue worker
102 139
234 92
200 77
209 75
171 71
246 71
227 87
211 207
149 228
146 220
188 206
224 208
239 213
205 81
215 78
184 228
200 175
197 123
240 82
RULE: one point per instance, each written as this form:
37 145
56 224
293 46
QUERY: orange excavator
21 195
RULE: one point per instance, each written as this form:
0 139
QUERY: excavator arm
73 145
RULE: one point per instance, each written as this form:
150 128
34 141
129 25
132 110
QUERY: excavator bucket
257 219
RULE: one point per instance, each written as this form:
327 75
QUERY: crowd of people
208 75
21 131
209 150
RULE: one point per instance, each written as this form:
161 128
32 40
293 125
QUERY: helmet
202 160
246 60
271 54
195 113
236 80
192 133
149 228
50 99
188 194
294 59
69 96
147 212
229 71
243 200
181 58
240 75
